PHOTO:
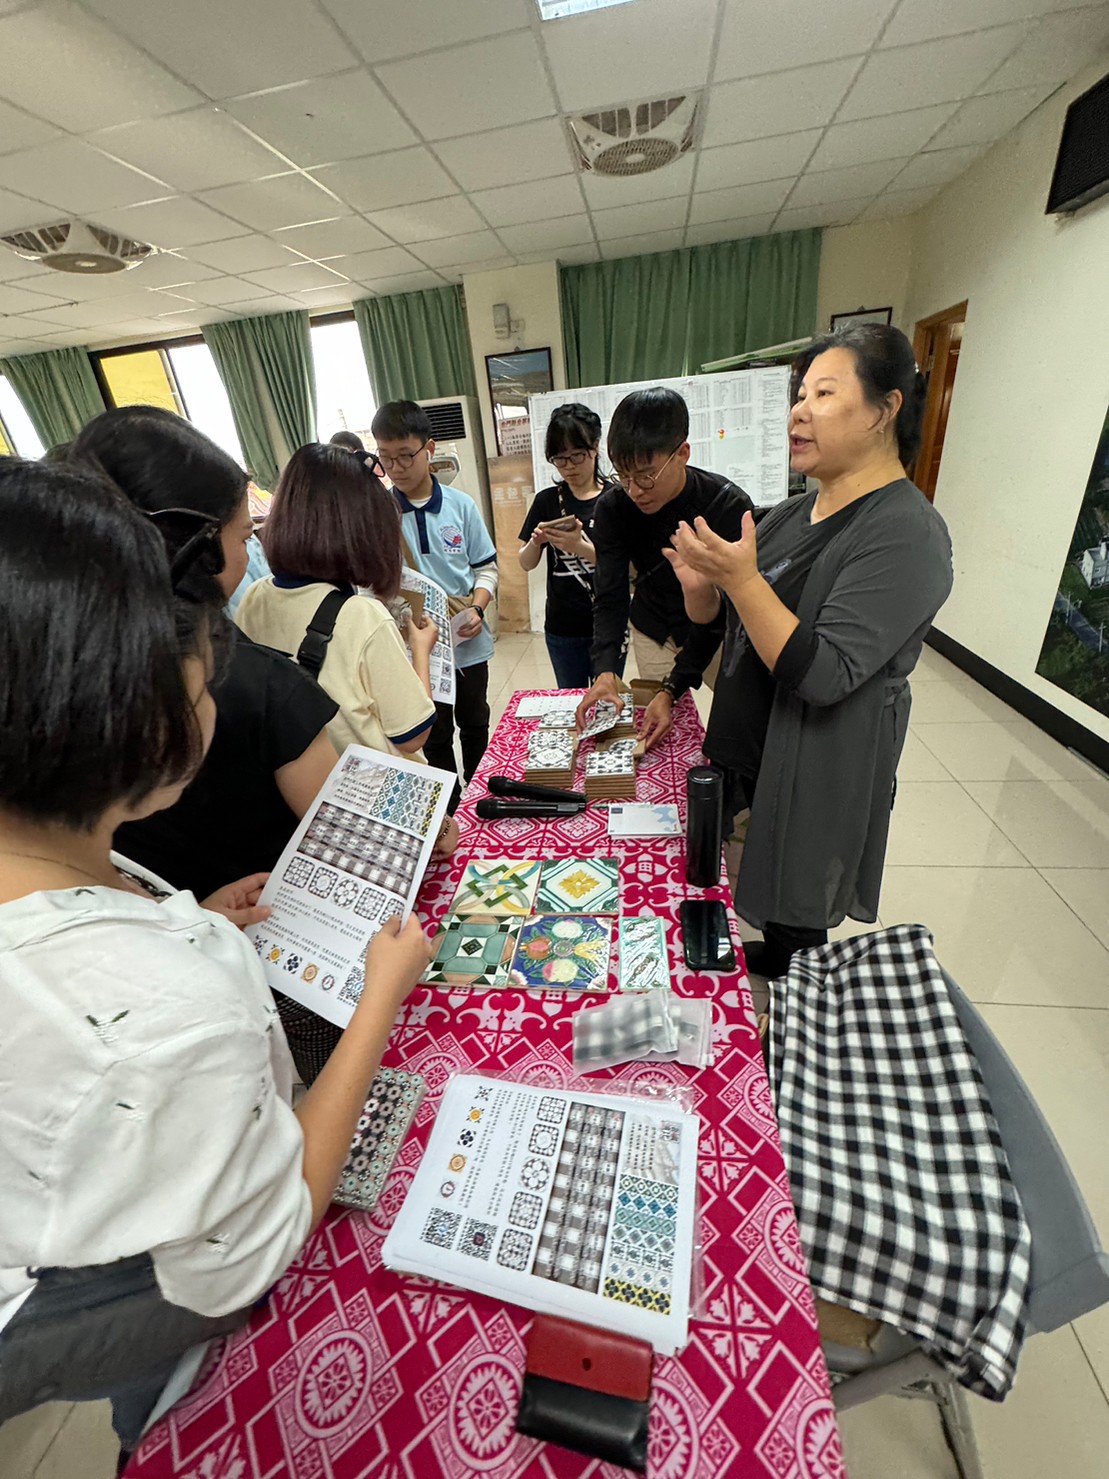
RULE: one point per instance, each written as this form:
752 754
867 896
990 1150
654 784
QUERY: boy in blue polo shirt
450 544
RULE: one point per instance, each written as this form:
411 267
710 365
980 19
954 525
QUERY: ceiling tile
65 65
268 303
779 104
640 246
825 186
762 159
76 178
331 118
19 130
539 200
504 83
197 150
934 71
243 253
388 179
605 191
841 214
176 222
105 310
893 203
757 37
504 156
19 300
331 238
319 299
166 270
937 168
295 279
739 230
17 211
455 251
25 325
630 52
266 205
223 290
744 200
571 256
983 119
412 282
897 134
1059 47
395 28
635 220
430 219
548 236
467 269
227 49
392 262
923 20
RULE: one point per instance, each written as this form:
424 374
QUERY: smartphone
705 936
565 525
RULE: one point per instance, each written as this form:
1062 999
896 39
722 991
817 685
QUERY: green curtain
59 391
283 346
236 362
416 345
669 313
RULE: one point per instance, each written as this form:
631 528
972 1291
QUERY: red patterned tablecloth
351 1371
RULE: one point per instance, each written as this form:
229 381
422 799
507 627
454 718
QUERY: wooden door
936 344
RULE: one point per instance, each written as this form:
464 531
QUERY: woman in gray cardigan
827 611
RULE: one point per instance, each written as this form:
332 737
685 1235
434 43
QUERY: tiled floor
1000 844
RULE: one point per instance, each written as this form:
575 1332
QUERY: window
178 377
344 398
205 399
15 424
140 379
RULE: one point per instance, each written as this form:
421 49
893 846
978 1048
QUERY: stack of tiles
564 718
625 720
610 773
551 757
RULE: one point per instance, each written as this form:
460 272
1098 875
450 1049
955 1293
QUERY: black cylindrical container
704 825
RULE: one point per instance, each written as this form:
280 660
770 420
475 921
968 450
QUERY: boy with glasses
648 447
446 540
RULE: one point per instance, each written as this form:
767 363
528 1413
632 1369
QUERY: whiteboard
737 425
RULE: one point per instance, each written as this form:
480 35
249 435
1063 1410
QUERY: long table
351 1371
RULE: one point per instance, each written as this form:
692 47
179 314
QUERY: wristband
480 611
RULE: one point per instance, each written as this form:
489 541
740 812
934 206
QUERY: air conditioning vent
448 421
638 138
77 247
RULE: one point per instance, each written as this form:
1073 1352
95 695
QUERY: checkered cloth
904 1201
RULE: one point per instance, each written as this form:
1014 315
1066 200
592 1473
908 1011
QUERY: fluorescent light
555 10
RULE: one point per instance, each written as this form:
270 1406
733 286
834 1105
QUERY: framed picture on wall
862 316
512 378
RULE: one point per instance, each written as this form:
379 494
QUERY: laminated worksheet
356 860
442 654
572 1204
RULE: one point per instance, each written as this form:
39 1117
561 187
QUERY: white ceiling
304 153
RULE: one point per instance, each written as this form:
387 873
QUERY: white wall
532 295
1031 392
864 266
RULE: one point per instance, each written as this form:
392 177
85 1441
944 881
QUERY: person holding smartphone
560 523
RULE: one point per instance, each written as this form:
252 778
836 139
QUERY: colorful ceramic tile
394 1098
473 950
579 886
563 952
497 886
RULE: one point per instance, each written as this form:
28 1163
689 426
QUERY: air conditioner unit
78 247
460 449
636 138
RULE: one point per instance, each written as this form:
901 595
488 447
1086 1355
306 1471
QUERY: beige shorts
655 660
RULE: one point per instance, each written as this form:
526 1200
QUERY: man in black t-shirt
649 448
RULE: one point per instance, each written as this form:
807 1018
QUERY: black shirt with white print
569 579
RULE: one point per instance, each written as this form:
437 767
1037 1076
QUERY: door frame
932 349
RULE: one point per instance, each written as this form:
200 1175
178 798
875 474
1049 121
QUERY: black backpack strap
313 650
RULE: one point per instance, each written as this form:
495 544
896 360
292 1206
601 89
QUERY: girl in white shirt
156 1181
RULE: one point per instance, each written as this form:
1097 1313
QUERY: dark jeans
471 713
570 660
84 1334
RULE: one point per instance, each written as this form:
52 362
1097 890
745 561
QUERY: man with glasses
446 540
648 447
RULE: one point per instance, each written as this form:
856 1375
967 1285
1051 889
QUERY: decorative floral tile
497 886
473 951
618 759
551 749
579 886
563 951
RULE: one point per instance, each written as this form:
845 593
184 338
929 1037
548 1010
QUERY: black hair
397 420
348 439
94 706
645 424
168 469
884 362
572 428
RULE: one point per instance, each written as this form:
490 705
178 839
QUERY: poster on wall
1075 654
512 379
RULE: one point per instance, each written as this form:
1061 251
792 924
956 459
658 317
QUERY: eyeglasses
403 460
569 459
645 481
190 552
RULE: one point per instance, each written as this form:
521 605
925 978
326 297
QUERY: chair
1070 1268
